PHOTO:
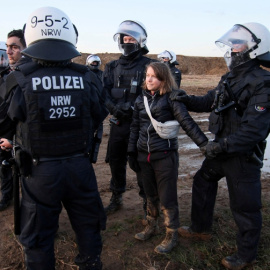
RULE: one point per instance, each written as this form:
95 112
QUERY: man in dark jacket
122 81
240 120
15 44
55 108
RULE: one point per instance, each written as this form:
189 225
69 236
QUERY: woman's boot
169 242
149 229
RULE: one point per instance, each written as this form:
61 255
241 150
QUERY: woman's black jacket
143 137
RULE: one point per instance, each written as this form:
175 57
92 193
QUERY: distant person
240 120
93 62
156 157
122 80
169 58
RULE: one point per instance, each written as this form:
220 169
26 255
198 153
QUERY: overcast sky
185 27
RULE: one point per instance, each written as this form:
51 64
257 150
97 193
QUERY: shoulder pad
28 67
78 67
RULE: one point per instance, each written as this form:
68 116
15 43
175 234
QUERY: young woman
156 157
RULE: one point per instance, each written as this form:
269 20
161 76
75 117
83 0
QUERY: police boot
149 229
116 202
234 262
88 262
169 242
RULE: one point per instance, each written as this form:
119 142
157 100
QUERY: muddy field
121 250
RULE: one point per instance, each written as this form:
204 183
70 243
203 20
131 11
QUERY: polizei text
57 83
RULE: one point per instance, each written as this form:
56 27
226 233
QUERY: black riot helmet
134 29
50 36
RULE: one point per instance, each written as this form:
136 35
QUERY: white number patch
60 112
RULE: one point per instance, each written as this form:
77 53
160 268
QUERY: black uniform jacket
143 137
240 128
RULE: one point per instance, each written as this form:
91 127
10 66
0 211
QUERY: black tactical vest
244 88
128 79
58 110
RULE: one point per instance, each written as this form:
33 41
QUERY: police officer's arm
134 129
177 77
15 110
255 124
187 123
108 84
98 108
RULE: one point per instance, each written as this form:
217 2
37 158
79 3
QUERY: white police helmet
245 42
134 29
50 35
170 55
93 58
3 55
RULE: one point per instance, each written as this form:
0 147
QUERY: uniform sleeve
98 109
201 103
14 111
134 129
108 81
187 123
177 77
254 126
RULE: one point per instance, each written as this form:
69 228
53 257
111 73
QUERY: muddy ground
121 250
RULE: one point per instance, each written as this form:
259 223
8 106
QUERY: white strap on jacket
167 130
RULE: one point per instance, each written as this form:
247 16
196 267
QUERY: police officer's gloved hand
212 149
203 147
176 93
133 163
119 113
179 95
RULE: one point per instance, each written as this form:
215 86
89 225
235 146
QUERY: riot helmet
136 30
50 36
168 56
245 42
93 62
3 55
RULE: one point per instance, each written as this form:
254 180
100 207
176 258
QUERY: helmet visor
238 39
130 28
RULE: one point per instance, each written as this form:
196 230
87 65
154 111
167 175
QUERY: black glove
133 163
176 93
212 149
120 114
203 147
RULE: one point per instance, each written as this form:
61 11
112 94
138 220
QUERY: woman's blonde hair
164 75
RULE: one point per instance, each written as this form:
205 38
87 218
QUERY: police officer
169 58
56 109
10 58
122 81
93 62
240 120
